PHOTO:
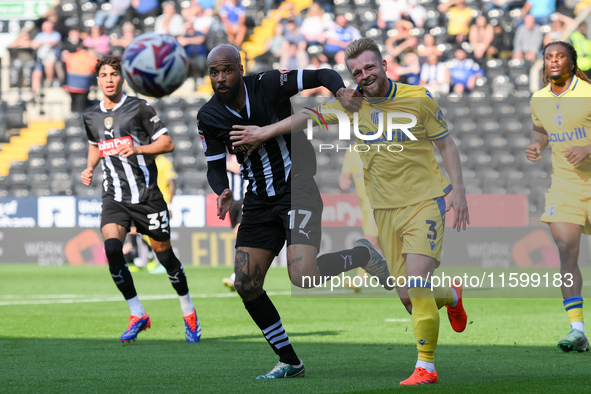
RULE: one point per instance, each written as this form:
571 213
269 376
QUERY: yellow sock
443 296
574 309
425 319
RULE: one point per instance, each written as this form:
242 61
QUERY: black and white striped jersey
270 169
133 121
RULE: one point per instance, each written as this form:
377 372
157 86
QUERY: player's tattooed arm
540 141
249 277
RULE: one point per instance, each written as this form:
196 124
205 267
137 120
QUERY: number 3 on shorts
432 225
155 224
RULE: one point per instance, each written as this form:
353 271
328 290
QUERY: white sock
135 307
425 364
455 293
578 325
186 304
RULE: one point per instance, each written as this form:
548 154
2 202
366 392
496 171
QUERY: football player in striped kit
125 134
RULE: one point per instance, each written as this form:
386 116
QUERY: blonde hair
357 47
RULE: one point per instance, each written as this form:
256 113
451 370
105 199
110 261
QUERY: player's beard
231 95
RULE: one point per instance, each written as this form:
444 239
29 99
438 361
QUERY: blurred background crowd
446 46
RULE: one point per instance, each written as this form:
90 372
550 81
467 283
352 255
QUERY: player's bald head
226 53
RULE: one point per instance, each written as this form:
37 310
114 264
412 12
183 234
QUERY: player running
125 135
405 189
561 113
282 201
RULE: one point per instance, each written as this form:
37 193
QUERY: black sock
332 264
119 271
175 271
264 314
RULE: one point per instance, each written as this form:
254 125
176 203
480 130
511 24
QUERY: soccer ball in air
154 65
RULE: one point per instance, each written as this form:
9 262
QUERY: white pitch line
80 299
397 320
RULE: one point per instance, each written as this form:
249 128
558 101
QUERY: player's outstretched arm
540 140
255 135
91 162
451 160
163 144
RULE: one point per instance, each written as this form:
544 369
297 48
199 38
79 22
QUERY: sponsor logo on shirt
155 119
577 134
109 147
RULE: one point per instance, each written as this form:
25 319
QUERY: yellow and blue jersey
566 118
407 173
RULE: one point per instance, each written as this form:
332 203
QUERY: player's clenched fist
533 152
86 176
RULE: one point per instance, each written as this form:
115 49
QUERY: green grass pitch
60 328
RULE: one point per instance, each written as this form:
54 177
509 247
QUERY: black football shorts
268 222
150 218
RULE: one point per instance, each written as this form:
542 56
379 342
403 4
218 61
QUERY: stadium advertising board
18 212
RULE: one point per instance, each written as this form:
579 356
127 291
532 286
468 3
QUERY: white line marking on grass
397 320
34 299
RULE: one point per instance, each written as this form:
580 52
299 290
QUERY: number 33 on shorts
159 221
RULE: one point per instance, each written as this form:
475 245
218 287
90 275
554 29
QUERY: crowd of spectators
418 52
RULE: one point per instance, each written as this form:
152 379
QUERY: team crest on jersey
108 122
558 119
375 116
551 210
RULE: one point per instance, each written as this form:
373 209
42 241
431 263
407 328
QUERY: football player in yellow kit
561 113
405 187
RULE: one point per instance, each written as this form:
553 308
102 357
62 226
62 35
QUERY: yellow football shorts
416 229
568 207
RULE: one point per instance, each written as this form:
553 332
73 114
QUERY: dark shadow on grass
227 365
